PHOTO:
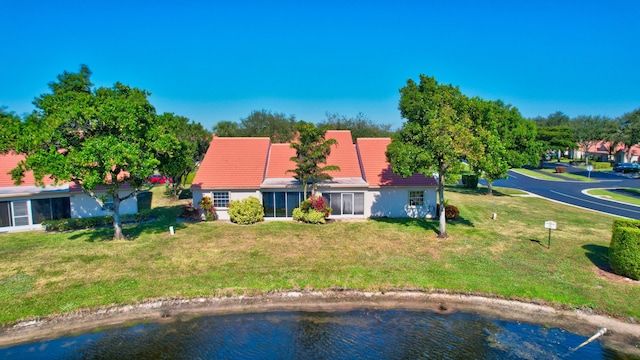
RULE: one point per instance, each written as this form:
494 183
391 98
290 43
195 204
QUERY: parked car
626 168
159 179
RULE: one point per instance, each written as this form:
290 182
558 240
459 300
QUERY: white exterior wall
83 206
223 213
394 203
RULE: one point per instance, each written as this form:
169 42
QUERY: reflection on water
360 334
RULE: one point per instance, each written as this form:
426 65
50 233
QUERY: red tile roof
233 163
602 147
377 170
279 161
7 163
343 154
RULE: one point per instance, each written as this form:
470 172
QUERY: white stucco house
236 168
26 206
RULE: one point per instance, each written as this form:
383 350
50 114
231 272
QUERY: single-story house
26 206
365 186
603 152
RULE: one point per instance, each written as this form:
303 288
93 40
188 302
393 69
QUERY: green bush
624 251
470 181
602 165
246 211
310 217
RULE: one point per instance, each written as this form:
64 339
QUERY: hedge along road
571 192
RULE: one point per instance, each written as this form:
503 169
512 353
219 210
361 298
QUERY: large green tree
107 138
508 139
277 126
436 137
312 150
193 142
553 138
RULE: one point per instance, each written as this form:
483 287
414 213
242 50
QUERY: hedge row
624 251
92 222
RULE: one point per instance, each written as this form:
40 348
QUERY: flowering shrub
313 210
207 207
190 212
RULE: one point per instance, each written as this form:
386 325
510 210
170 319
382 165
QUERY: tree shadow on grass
161 219
426 224
477 191
599 256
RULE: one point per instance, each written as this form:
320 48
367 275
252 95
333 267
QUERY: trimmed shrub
470 181
561 169
450 212
246 211
624 250
602 165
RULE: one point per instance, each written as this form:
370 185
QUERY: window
280 204
416 198
220 199
20 213
50 209
345 203
5 213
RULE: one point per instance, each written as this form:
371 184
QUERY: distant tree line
281 128
558 131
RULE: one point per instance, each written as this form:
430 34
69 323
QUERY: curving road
570 192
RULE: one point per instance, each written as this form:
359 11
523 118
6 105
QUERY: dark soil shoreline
622 336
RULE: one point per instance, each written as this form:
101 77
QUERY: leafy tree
436 136
312 150
227 129
10 126
193 142
508 139
360 126
612 134
263 123
630 130
103 138
556 137
588 130
556 119
276 126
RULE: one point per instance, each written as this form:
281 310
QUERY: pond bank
621 335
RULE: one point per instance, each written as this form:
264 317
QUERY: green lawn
48 273
569 176
536 174
629 196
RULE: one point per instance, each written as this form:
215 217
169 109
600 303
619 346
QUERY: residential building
365 186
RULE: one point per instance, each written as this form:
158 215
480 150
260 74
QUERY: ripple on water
358 334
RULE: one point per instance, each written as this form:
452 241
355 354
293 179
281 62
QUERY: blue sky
213 61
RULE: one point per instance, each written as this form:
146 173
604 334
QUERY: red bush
561 169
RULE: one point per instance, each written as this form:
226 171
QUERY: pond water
356 334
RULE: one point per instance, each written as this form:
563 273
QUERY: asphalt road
570 192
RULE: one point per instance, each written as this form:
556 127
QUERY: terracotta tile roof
10 161
378 171
602 147
233 163
279 162
343 154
